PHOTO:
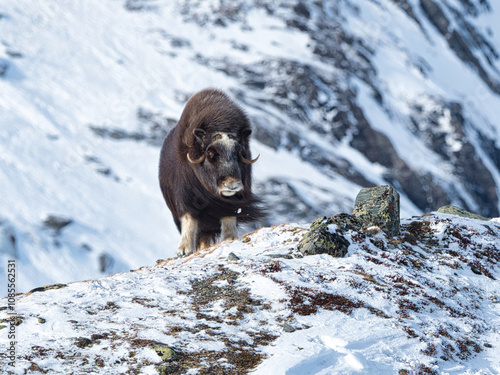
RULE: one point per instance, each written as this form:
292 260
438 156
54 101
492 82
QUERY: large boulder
378 206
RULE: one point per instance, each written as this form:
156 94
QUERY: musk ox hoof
183 251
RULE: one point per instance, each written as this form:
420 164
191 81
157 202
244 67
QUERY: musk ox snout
229 186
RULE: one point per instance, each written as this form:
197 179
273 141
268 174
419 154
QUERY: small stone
165 352
378 206
280 256
167 369
232 256
98 336
288 328
83 342
476 270
56 223
99 362
488 345
35 368
452 210
42 320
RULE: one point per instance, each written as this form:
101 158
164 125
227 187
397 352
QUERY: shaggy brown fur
214 128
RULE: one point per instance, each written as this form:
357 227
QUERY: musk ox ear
199 134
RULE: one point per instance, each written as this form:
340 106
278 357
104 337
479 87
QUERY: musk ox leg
189 229
203 241
228 228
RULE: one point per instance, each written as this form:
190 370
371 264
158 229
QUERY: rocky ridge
257 303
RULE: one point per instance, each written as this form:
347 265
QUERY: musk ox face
221 167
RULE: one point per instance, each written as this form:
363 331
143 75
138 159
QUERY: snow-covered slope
342 95
425 302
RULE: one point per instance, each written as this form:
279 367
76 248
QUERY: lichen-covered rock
346 222
452 210
378 206
47 287
325 236
165 352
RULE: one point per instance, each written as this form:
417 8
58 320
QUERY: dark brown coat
208 119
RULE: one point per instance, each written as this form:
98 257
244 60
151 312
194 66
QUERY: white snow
414 307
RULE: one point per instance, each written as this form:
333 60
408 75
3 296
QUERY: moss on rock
378 206
325 236
47 287
165 352
452 210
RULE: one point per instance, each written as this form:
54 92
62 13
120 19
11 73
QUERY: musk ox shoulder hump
210 109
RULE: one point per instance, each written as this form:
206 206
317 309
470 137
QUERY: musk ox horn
196 161
246 161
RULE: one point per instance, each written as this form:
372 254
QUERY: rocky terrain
425 301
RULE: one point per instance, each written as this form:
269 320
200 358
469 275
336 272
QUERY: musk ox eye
211 154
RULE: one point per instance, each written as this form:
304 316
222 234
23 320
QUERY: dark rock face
435 14
453 145
459 39
378 206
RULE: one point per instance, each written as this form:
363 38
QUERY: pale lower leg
189 229
229 228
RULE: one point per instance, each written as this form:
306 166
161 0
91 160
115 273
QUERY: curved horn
246 161
197 161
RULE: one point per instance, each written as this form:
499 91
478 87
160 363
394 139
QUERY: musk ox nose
229 186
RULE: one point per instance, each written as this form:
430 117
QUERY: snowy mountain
425 302
342 95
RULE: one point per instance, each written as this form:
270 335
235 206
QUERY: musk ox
205 171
